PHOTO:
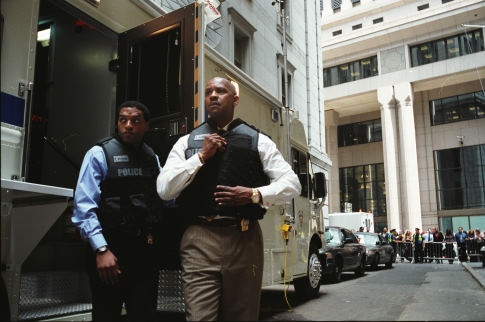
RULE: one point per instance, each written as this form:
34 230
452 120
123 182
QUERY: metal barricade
432 251
473 249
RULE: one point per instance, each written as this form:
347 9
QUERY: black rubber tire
389 263
375 263
336 276
361 269
304 287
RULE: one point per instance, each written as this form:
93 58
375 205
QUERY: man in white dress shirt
224 176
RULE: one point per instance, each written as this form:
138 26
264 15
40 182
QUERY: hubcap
314 271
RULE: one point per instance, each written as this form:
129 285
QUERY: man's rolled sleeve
284 184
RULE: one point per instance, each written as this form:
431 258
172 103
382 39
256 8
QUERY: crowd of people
434 245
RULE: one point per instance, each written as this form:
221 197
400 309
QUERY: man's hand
233 196
107 265
212 143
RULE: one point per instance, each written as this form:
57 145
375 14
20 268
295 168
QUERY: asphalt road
405 292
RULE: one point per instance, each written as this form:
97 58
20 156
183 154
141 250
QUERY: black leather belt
222 222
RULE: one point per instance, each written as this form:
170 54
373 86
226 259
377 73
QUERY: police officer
418 247
116 206
221 174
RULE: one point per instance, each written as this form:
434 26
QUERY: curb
474 274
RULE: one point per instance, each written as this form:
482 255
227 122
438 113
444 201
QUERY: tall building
405 110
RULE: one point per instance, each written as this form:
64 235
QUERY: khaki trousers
222 270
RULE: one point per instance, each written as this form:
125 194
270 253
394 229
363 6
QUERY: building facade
405 110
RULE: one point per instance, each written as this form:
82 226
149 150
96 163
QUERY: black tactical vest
238 165
129 201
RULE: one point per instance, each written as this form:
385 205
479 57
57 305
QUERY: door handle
23 87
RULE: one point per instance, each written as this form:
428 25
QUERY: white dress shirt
178 172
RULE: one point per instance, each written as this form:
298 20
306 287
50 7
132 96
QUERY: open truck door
75 81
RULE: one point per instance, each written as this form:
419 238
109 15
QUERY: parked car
378 251
344 254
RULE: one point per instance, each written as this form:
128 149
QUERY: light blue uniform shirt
88 193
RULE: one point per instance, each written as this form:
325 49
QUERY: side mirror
378 243
319 185
348 240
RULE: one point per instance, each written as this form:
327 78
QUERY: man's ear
236 100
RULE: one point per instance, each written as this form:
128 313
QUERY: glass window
377 131
457 108
445 224
453 47
467 106
344 73
359 133
440 47
477 222
364 188
333 236
355 70
450 47
460 221
460 177
480 100
334 76
425 54
350 72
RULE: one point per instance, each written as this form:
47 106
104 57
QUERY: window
446 48
355 3
281 81
362 188
422 7
359 133
242 33
378 20
352 71
241 48
336 5
445 1
300 167
359 26
457 108
460 177
337 32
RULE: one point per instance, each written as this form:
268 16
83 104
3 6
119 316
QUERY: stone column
331 122
390 141
410 197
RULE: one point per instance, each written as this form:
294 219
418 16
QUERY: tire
336 276
375 263
389 263
308 287
361 269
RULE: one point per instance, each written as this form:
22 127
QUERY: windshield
332 236
369 240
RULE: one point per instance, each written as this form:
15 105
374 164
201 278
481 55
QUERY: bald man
224 176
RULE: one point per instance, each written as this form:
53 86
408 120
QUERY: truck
351 220
66 66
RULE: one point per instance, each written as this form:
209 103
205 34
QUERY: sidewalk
477 271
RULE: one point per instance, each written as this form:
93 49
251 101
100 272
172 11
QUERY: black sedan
344 253
378 250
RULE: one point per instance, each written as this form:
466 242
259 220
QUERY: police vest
238 165
419 240
129 201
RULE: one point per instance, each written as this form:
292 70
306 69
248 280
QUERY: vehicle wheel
375 263
308 286
389 263
336 276
361 269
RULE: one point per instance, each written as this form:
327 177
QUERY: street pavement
405 292
445 292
